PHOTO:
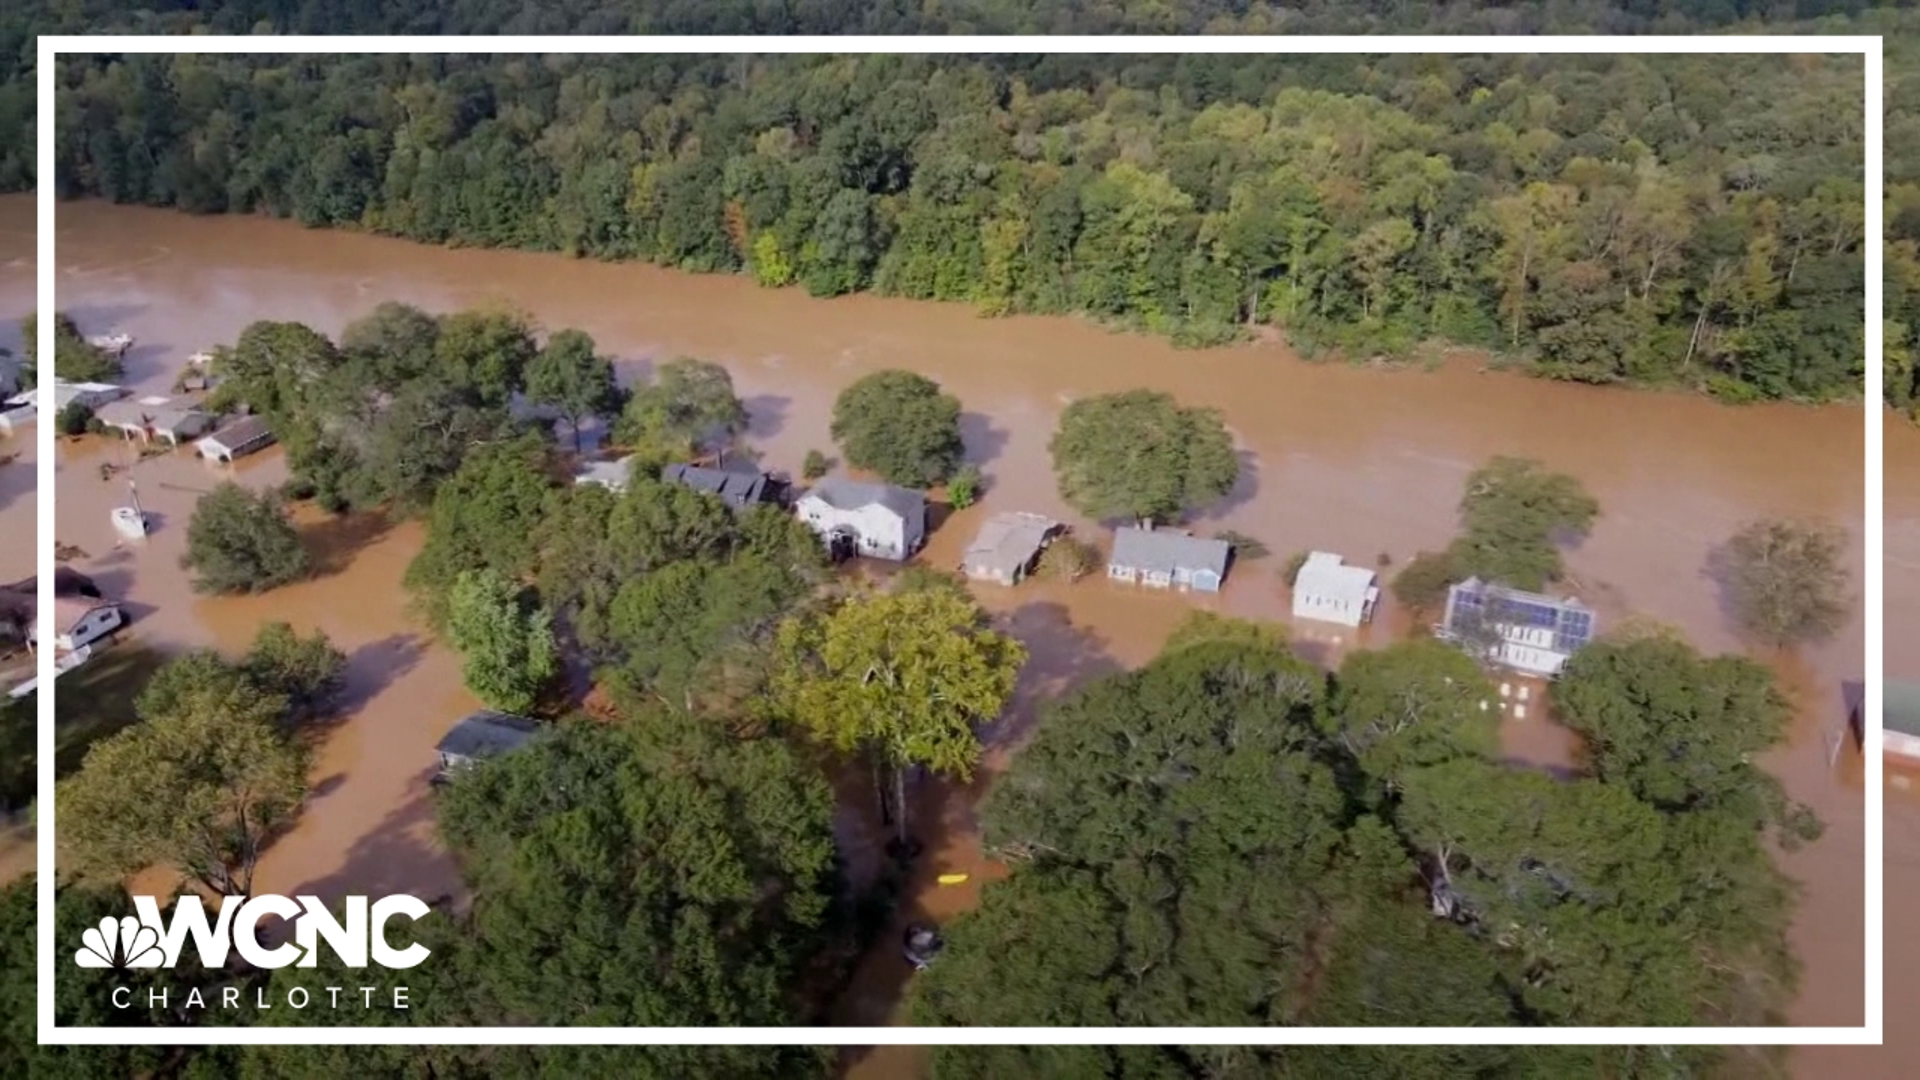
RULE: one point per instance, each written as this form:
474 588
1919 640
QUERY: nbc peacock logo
118 944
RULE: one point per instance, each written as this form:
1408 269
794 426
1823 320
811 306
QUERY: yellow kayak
952 879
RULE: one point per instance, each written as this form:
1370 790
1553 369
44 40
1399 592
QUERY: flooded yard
1364 462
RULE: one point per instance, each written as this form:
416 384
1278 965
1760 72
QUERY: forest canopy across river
1651 220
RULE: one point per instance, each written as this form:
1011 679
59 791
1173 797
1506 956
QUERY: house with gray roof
244 436
738 484
1168 558
879 521
1007 546
483 735
155 419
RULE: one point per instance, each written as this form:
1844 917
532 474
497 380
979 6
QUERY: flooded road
1357 461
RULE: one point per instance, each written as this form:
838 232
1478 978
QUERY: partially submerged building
879 521
246 435
612 475
1168 558
1900 723
20 410
739 485
1328 590
1531 633
155 419
1008 545
81 615
482 735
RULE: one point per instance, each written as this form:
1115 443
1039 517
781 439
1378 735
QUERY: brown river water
1360 461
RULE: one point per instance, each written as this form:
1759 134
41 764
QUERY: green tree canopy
901 426
242 541
207 778
1515 515
1786 581
571 377
1142 455
507 649
689 409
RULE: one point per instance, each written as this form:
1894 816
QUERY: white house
1528 632
19 410
879 521
80 621
1328 590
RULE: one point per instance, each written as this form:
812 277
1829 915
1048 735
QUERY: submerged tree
1142 455
1516 513
1786 581
689 410
903 676
242 541
901 426
572 378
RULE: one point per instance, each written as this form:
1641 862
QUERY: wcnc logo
356 936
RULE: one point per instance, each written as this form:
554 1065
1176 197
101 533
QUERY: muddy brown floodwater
1364 462
17 473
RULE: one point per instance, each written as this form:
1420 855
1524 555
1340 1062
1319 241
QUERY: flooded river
1363 462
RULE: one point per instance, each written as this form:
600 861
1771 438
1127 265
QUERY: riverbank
1346 459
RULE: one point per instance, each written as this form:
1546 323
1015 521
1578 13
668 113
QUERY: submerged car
923 943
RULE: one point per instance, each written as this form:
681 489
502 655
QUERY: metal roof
1007 540
164 416
1570 621
242 433
1326 574
613 474
486 733
844 494
1162 550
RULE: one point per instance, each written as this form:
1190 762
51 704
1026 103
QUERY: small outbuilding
1008 545
612 475
880 521
1168 558
482 735
738 485
1328 590
247 435
155 420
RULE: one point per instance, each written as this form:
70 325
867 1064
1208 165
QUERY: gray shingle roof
244 432
487 733
737 487
1161 550
844 494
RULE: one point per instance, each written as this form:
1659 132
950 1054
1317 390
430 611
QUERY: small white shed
1328 590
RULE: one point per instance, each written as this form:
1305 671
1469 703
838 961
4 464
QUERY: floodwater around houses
1362 462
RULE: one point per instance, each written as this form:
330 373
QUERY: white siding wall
98 622
1900 744
1324 608
881 533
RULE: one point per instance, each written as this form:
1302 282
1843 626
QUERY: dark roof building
483 735
238 439
737 486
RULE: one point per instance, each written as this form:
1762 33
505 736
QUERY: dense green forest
1655 220
1629 219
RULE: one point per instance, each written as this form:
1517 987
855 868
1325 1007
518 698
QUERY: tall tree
202 784
689 409
242 541
1786 580
1142 455
903 676
507 648
1516 514
572 378
900 425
